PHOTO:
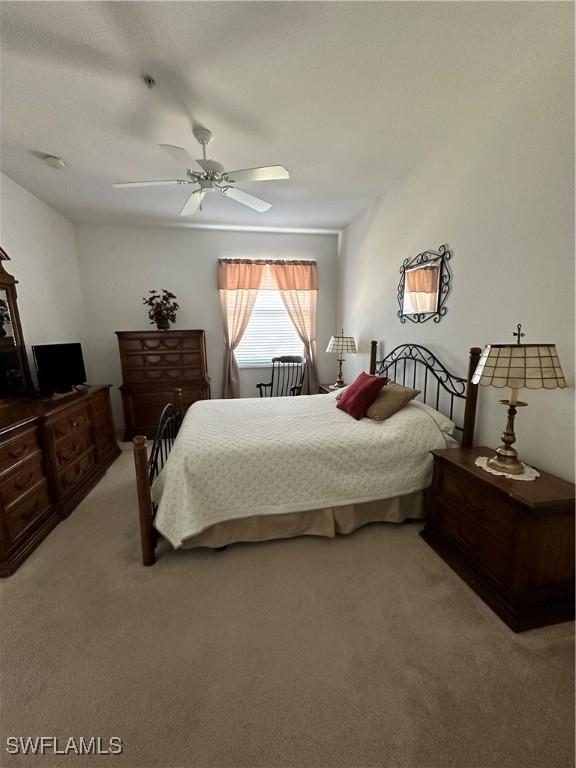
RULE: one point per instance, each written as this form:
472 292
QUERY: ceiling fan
209 175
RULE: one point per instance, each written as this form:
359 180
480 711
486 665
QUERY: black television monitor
59 367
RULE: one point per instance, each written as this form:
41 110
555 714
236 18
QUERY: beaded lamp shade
530 366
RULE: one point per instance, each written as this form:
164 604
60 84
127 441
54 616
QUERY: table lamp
338 345
530 366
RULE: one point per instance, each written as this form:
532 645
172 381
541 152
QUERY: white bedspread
237 458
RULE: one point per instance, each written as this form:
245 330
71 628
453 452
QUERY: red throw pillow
361 394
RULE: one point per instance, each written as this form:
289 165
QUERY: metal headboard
416 366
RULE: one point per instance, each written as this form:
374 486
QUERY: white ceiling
349 96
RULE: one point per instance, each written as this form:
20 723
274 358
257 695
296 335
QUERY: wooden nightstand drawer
479 546
479 505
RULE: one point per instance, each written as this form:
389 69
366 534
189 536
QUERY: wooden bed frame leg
471 398
145 509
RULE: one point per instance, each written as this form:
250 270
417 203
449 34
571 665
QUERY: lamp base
339 383
506 460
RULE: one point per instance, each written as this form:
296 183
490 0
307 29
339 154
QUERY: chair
287 377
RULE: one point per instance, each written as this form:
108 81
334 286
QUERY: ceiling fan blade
193 203
181 155
246 199
265 173
149 183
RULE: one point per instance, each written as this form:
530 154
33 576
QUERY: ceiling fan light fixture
210 175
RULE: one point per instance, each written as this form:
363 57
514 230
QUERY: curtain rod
265 261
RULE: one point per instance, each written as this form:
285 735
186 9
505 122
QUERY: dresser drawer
76 420
21 482
164 360
77 472
73 446
21 516
17 449
169 375
160 343
484 508
478 545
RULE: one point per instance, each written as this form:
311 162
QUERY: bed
256 469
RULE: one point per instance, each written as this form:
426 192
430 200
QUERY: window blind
270 332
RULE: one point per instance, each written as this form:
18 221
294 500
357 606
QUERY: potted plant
162 308
4 316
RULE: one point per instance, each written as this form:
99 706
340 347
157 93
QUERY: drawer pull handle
74 423
15 453
23 483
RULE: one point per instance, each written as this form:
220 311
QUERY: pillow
340 392
445 424
391 399
360 394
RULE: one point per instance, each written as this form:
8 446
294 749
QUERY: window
270 332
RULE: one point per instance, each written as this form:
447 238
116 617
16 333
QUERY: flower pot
163 324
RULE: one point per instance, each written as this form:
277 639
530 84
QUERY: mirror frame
441 257
8 284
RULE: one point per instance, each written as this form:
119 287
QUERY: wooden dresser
52 452
154 364
512 541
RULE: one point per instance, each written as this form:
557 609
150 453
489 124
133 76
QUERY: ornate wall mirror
424 286
14 370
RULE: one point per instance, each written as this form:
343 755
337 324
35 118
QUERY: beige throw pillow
393 397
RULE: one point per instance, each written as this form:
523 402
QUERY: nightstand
512 541
324 389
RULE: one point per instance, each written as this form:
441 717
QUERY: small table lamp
337 346
533 366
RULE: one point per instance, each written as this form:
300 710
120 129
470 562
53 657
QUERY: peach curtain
297 284
238 284
422 289
423 280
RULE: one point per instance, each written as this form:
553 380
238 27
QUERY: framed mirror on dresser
54 448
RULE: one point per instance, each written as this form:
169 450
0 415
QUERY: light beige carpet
365 650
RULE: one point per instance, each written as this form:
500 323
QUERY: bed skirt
314 522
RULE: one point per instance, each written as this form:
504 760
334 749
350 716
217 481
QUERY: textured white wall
120 264
42 248
501 194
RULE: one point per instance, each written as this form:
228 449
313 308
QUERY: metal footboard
149 467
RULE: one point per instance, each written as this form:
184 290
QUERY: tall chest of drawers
154 364
52 453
